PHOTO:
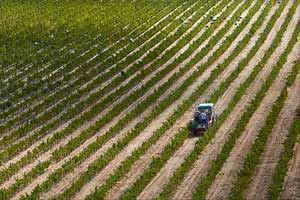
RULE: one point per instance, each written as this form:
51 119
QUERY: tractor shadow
193 135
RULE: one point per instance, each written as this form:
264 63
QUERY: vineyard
95 98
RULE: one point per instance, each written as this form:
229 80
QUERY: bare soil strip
292 181
224 181
265 170
144 162
82 146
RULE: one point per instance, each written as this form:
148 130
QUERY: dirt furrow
183 49
201 166
265 170
292 181
144 55
73 153
139 167
224 181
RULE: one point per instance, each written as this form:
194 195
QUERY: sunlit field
97 98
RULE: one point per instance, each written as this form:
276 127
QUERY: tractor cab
197 126
209 109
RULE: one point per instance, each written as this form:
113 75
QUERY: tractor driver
204 118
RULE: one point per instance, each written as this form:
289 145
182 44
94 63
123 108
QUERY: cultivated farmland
95 98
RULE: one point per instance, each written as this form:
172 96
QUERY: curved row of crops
97 107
